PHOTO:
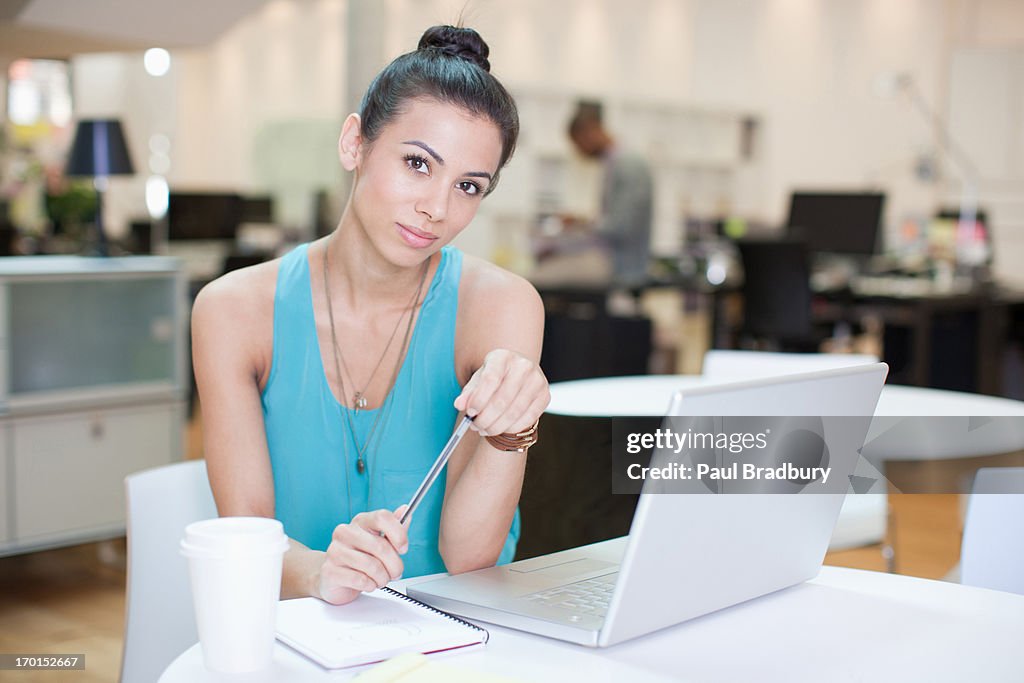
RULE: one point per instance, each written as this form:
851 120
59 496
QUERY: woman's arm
498 343
232 341
231 338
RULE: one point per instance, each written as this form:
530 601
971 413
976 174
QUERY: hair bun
464 43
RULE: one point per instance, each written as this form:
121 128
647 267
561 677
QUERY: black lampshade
99 149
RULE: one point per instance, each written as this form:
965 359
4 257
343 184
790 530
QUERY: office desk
844 625
953 340
930 338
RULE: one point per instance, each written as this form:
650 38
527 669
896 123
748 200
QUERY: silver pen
438 465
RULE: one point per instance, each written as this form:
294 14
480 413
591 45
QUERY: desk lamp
888 85
99 151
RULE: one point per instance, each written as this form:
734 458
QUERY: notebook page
372 628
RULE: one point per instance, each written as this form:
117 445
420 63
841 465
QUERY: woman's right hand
363 555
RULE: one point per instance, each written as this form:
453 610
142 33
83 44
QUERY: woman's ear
350 144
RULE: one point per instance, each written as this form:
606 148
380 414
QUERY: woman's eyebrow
430 150
426 148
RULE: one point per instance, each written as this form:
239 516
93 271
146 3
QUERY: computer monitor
203 215
259 209
836 222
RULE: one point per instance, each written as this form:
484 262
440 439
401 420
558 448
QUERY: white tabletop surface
960 434
845 625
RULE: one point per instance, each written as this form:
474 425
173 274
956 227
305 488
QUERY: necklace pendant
360 465
359 401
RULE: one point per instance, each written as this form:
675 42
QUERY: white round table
942 424
844 625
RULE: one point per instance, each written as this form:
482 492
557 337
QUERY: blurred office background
738 103
232 121
766 124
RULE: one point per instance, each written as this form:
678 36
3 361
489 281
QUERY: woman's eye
469 188
417 163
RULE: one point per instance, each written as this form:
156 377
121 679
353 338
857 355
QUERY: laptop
688 554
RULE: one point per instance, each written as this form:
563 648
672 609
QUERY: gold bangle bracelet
515 442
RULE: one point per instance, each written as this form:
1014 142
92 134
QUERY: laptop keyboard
590 596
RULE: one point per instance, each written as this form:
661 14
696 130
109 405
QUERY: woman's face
420 183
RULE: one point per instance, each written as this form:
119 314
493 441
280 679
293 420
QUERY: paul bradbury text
733 472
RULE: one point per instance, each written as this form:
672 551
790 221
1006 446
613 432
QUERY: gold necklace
360 401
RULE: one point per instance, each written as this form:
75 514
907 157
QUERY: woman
331 378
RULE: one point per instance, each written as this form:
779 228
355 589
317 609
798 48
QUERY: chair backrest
992 551
776 290
730 364
159 621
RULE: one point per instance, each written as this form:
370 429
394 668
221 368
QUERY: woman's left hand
507 393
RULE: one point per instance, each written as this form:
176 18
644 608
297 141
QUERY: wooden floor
71 600
68 601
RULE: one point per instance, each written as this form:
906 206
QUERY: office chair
159 621
992 551
777 295
236 260
863 519
582 340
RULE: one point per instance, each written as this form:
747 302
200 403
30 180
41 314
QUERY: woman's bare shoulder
488 286
497 309
233 324
240 298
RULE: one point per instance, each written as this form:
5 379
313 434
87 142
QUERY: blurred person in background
622 229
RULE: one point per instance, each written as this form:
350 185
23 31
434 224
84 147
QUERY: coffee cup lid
235 535
229 551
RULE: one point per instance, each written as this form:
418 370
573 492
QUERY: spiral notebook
373 627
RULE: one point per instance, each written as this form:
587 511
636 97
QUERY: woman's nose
434 203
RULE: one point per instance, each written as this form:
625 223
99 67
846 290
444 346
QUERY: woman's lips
415 238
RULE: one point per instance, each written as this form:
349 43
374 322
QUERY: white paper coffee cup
235 568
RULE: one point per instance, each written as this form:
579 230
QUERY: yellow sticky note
417 668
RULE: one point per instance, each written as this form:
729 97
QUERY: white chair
992 550
863 518
159 621
728 364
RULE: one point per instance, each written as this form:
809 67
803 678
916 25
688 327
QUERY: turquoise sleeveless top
315 486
